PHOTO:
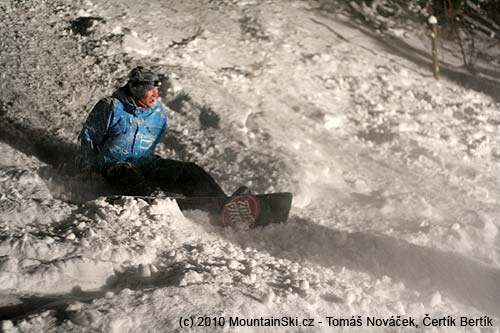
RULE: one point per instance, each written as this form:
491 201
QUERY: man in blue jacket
119 138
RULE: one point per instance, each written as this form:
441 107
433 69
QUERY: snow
394 176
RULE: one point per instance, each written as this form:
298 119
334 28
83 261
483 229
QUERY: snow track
138 248
394 175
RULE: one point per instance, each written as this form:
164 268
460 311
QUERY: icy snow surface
394 175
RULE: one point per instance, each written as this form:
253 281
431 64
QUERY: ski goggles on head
138 89
155 83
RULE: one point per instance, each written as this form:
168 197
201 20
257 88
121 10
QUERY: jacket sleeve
163 124
164 127
94 134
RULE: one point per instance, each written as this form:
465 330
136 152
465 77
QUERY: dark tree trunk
440 11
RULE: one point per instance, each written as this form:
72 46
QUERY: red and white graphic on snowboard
241 209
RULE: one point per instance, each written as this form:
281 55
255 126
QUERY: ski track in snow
394 178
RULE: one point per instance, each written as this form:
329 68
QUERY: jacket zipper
135 136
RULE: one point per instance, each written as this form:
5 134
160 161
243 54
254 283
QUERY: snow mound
84 249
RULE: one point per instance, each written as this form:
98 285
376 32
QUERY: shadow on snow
421 268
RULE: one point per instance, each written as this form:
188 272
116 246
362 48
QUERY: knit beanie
141 80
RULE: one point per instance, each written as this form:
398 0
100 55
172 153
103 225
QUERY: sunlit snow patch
332 122
316 180
133 44
476 234
165 208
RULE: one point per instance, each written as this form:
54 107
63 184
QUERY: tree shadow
421 58
59 303
26 306
36 304
54 151
418 267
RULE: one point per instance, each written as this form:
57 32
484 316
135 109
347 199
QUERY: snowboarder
119 137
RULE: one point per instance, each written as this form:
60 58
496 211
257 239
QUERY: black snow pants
170 176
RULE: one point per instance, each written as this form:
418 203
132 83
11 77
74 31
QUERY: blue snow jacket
118 130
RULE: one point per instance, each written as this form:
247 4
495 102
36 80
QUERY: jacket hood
124 96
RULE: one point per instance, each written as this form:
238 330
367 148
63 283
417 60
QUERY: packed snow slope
394 174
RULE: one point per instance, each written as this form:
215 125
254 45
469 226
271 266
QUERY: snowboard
250 210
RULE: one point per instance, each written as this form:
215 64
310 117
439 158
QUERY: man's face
149 98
